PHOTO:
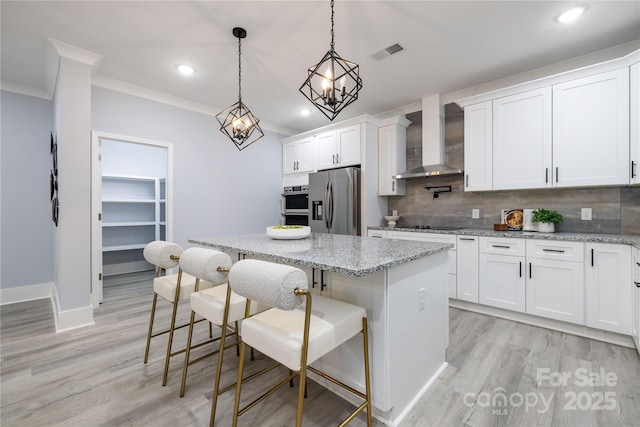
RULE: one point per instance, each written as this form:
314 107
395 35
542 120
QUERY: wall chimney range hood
432 142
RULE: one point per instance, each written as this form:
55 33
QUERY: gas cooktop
436 227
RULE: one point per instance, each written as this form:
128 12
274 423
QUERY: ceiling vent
388 51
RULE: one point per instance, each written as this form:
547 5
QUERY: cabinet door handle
322 283
501 246
529 270
633 169
556 174
637 284
333 159
546 175
393 185
520 268
337 159
592 256
638 264
467 238
560 251
467 180
313 278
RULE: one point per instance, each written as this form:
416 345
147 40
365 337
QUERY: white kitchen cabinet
435 238
338 148
381 234
467 268
502 273
609 293
634 116
392 157
478 155
133 214
298 156
635 324
522 140
591 130
555 280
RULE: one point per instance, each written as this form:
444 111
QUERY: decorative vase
546 227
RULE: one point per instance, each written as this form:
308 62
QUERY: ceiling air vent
388 51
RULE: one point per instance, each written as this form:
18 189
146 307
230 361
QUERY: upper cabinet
478 125
634 116
392 157
522 140
591 130
338 148
297 156
568 130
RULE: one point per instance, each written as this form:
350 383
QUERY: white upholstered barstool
172 288
298 329
211 266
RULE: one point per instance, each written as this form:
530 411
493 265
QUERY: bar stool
210 304
172 288
292 335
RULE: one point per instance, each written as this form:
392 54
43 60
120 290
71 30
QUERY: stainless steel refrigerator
334 201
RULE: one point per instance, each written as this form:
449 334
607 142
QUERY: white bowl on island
288 232
391 220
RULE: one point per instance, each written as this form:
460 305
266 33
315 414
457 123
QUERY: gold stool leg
153 312
302 392
236 404
223 335
171 328
186 356
365 339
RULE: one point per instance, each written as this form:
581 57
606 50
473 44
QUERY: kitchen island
403 287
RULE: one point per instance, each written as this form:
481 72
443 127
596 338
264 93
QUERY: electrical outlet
585 214
475 213
421 299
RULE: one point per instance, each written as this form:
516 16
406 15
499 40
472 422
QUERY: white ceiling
450 45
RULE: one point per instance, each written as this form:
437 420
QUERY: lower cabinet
502 273
555 280
467 268
608 286
635 324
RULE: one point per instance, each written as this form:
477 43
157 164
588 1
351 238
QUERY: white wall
218 190
25 210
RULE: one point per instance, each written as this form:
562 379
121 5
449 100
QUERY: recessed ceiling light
185 69
304 112
571 14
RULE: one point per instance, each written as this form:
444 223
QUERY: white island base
408 315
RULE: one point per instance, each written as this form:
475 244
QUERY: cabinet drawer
566 251
502 246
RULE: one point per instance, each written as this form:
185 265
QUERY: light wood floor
95 376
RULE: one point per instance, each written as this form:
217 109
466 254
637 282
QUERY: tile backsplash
614 209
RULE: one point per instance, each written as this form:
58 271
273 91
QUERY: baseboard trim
557 325
25 293
66 320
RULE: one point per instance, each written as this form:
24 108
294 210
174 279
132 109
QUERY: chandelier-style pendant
333 83
237 121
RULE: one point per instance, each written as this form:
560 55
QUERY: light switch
585 214
475 213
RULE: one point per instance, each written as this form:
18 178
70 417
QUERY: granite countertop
629 239
351 255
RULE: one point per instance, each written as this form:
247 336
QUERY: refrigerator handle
330 205
325 207
354 208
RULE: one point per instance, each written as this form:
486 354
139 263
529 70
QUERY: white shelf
132 216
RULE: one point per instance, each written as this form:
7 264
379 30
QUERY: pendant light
237 121
321 88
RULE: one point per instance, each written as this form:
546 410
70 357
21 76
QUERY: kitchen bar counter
402 285
351 255
625 239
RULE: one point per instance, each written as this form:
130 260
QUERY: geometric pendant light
333 83
237 121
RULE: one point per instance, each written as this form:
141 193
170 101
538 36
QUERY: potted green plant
546 219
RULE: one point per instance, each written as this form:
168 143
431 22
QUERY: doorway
132 195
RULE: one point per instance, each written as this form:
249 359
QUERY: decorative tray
288 232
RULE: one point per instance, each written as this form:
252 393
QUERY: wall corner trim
70 319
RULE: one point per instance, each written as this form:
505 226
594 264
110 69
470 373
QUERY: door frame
96 201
